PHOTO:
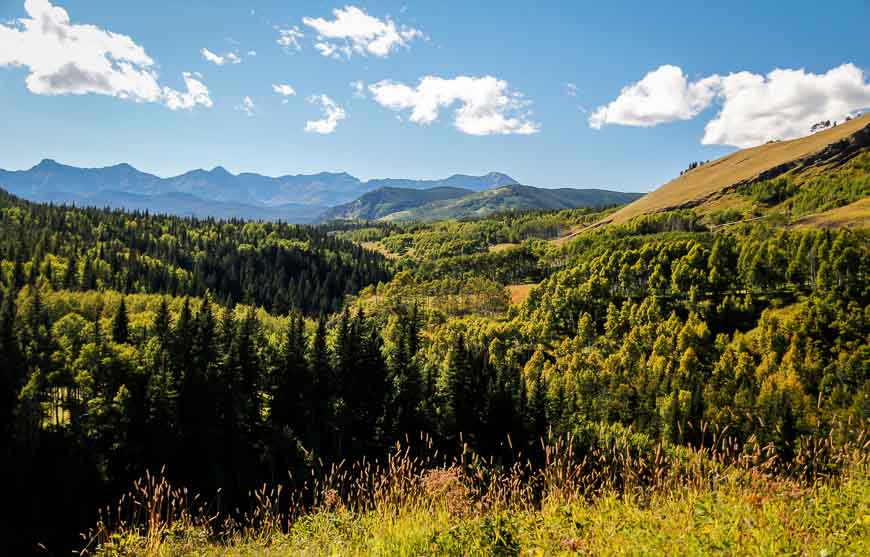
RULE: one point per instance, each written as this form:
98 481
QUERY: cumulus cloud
353 31
755 108
572 89
784 104
663 95
247 106
289 38
64 58
332 114
228 58
486 105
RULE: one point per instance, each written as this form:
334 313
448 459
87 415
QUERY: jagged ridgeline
272 265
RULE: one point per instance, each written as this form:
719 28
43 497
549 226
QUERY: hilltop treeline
272 265
657 328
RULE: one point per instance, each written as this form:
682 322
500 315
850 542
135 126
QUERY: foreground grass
609 502
734 521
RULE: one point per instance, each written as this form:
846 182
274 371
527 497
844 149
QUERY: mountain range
302 198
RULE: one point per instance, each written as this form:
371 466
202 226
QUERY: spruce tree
162 324
121 324
12 367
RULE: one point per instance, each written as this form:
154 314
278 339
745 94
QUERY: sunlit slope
716 178
854 215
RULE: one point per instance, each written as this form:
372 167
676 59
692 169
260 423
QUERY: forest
225 356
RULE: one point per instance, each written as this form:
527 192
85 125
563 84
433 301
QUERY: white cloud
353 31
663 95
197 93
332 114
359 89
228 58
247 106
784 104
487 106
755 108
572 89
289 38
212 57
252 53
284 89
66 58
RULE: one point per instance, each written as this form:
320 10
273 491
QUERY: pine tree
18 279
12 367
182 341
323 386
204 349
70 275
452 388
292 394
162 324
120 324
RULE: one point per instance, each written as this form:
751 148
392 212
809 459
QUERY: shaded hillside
384 201
708 185
515 197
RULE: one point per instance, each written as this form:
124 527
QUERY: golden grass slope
696 185
854 215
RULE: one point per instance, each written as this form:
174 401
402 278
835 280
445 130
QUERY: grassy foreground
612 501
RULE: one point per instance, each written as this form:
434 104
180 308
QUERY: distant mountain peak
495 174
45 164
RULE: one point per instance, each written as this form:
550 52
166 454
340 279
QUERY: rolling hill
513 197
734 182
387 200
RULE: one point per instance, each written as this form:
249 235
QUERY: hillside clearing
519 292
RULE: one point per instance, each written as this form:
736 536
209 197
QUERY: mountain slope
514 197
709 182
384 201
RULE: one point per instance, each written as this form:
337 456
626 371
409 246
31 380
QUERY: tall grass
585 493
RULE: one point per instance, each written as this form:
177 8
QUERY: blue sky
530 48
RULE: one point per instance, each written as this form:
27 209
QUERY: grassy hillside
384 201
516 198
704 185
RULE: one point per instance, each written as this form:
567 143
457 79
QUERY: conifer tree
121 324
12 368
162 326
